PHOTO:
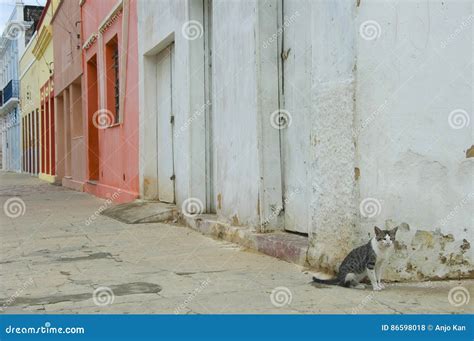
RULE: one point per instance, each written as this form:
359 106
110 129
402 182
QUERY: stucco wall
235 110
333 212
29 81
234 103
160 24
67 55
117 145
414 70
379 112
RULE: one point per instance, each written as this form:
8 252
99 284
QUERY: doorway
295 112
165 124
93 131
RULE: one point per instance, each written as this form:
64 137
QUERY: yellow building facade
37 100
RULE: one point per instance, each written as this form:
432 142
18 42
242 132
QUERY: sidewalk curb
285 246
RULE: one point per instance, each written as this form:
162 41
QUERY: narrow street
59 255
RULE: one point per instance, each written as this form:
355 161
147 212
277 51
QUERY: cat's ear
394 231
377 231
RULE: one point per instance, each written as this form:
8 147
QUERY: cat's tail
326 281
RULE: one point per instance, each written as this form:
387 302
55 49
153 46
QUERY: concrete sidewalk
59 255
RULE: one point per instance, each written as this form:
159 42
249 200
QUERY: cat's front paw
376 288
381 285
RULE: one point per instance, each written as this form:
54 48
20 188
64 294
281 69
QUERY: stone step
140 212
283 245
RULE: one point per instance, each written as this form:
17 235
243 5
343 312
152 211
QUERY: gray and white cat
366 260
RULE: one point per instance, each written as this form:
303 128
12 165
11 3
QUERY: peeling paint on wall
470 152
424 254
413 155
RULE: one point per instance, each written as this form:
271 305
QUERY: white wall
160 24
235 110
234 103
409 79
333 211
379 122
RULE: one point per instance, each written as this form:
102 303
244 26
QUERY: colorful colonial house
37 100
110 93
70 148
17 33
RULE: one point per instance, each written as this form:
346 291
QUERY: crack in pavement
117 290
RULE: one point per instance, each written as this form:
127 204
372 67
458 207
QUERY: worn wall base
428 255
73 184
285 246
303 251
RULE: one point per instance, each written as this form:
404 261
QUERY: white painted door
295 104
165 125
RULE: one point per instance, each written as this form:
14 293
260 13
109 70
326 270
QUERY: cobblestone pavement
58 255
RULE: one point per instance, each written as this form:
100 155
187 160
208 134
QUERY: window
113 82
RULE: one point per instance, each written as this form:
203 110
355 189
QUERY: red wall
115 147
